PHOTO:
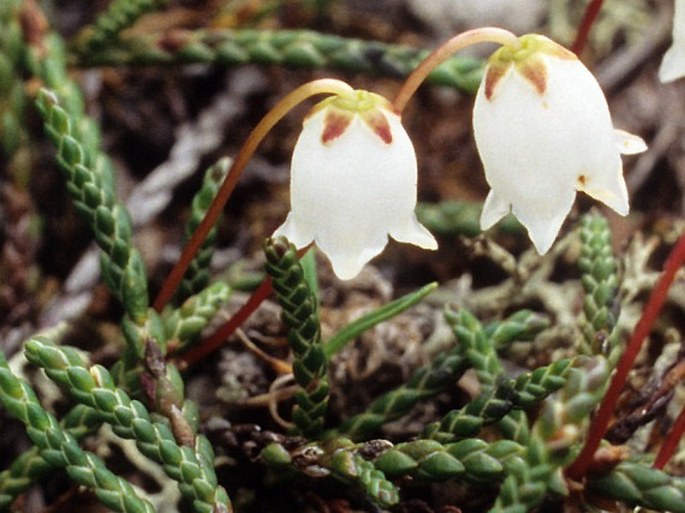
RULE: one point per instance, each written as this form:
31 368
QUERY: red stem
649 315
219 338
671 443
190 250
586 23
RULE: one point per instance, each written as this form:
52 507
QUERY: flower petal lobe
629 144
415 233
494 209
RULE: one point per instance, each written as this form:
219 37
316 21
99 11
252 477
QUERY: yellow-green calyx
341 110
529 45
356 102
526 57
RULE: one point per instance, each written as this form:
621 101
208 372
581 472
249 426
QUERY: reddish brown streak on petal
494 73
535 72
334 125
377 122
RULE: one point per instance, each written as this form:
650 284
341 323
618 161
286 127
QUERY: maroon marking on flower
334 125
535 72
494 74
378 123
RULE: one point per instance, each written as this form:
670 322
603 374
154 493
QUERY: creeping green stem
338 457
122 265
300 313
471 459
120 14
30 466
554 438
600 281
192 467
427 381
60 449
292 48
637 484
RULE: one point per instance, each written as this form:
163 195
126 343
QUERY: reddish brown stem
219 338
586 23
671 443
644 326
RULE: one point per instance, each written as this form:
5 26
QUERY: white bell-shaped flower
353 182
673 64
543 131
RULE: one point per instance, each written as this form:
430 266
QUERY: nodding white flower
353 182
543 131
673 64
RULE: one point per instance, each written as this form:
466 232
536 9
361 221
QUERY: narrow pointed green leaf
368 321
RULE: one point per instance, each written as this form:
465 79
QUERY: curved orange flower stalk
601 421
316 87
444 52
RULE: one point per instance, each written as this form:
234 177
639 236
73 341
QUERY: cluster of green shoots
526 438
